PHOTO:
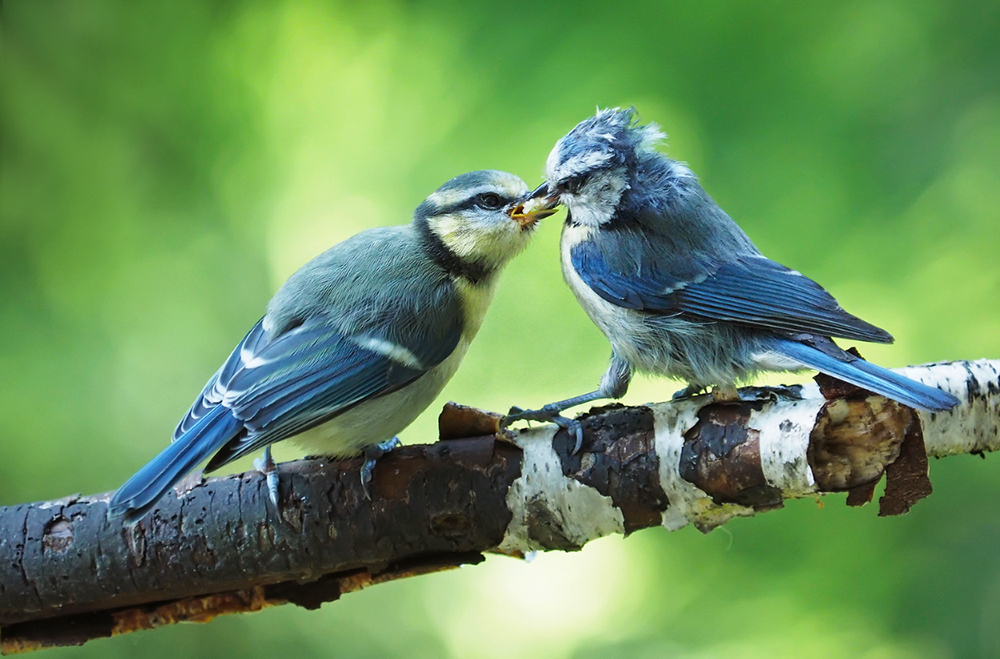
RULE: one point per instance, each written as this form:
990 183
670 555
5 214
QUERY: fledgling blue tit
356 343
678 288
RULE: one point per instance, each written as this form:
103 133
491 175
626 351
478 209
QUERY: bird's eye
489 200
571 185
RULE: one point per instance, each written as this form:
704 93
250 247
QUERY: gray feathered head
610 139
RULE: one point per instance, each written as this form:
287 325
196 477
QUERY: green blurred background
167 165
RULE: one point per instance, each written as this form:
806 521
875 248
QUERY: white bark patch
577 512
974 425
784 440
688 504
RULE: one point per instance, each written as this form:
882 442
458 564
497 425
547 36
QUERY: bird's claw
689 391
746 394
755 394
372 454
575 429
269 469
549 414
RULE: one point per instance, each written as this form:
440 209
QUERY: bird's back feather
752 291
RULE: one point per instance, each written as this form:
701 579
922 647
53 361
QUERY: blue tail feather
141 492
871 377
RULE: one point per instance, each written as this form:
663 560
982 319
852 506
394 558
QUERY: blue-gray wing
214 391
751 290
279 387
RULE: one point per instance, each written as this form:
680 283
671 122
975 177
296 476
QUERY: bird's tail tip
937 400
874 378
143 490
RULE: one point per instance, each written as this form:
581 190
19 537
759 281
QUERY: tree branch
68 574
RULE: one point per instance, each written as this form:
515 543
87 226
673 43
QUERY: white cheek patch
546 504
595 203
455 233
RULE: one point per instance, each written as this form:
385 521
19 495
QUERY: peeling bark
68 574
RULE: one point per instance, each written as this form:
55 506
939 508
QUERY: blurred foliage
167 165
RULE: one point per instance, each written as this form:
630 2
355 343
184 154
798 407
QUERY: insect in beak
534 206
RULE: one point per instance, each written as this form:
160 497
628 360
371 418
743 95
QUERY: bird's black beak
534 206
540 191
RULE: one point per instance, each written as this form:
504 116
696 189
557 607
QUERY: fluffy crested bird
678 288
356 343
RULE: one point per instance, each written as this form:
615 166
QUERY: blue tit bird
678 288
357 343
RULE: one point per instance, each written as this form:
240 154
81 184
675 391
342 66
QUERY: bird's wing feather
752 290
307 376
213 392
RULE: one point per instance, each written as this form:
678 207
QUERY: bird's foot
754 394
372 454
265 465
687 392
549 414
744 394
